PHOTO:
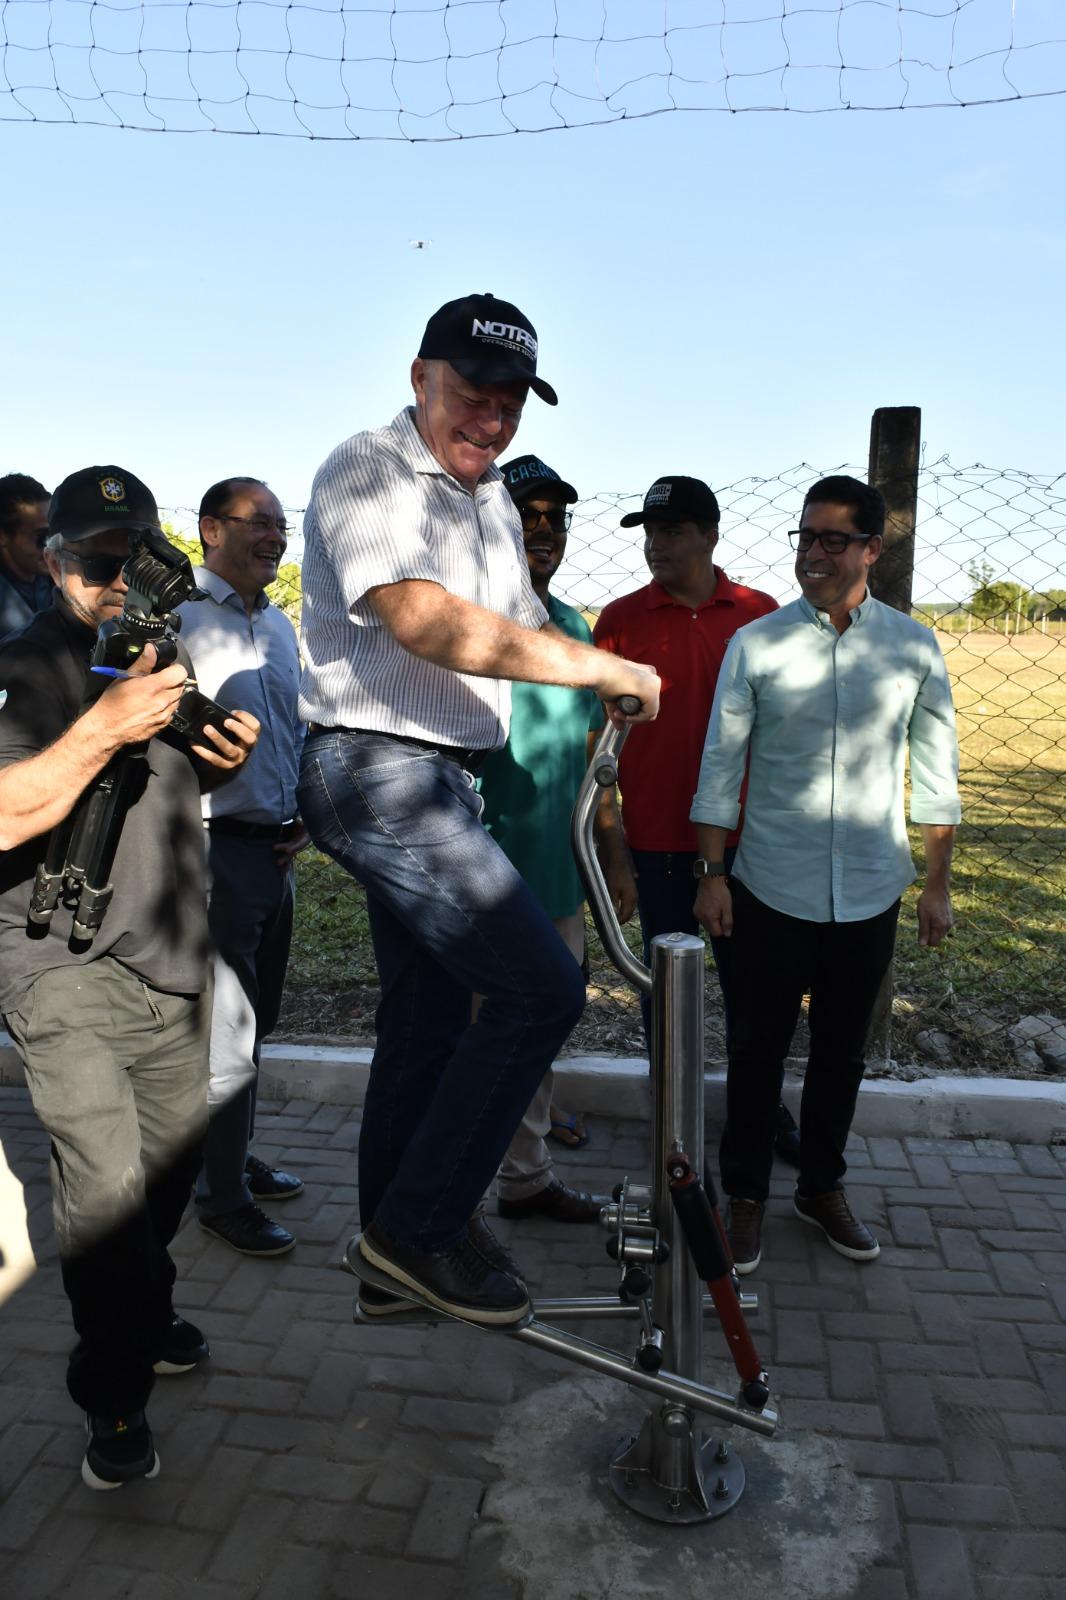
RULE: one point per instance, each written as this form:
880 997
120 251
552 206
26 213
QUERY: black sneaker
250 1231
375 1302
119 1450
494 1250
459 1281
269 1183
182 1348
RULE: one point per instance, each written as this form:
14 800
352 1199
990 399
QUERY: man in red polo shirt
681 622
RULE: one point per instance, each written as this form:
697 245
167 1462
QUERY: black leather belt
262 832
470 759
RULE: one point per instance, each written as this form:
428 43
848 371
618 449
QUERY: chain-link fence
989 574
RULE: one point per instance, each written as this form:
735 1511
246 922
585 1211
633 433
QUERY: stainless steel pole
677 968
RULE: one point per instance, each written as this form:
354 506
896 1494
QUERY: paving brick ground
312 1458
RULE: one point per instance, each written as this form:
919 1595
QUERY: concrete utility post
895 450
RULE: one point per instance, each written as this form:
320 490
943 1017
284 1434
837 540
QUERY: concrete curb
1022 1111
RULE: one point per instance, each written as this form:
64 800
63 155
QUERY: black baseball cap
526 476
487 341
101 500
676 500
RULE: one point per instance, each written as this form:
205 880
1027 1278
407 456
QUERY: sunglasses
558 521
97 569
832 543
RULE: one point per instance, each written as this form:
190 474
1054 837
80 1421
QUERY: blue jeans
449 917
666 893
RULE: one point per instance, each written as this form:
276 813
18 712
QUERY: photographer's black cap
487 341
676 500
101 500
526 476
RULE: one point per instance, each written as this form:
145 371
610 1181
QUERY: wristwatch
702 868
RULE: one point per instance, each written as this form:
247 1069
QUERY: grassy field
1006 959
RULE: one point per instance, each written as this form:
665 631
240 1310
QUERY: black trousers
770 962
666 892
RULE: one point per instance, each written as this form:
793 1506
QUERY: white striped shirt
383 510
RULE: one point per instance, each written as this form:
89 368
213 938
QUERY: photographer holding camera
113 1030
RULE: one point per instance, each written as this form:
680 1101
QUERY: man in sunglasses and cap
113 1032
418 609
821 702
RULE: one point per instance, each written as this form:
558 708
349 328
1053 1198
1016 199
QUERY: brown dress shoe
842 1228
558 1201
743 1224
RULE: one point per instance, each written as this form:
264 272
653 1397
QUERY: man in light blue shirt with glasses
245 653
821 702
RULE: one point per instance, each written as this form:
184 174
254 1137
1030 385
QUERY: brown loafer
557 1201
842 1228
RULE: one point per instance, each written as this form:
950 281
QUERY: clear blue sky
714 295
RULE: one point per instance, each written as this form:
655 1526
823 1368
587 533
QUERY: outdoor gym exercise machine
666 1239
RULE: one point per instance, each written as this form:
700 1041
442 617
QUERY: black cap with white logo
527 476
487 341
101 500
676 500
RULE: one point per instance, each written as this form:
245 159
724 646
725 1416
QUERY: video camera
81 850
158 578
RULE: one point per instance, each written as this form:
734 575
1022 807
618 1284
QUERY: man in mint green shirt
821 700
529 788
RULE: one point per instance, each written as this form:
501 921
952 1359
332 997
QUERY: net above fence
451 69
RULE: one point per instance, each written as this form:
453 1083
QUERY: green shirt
530 786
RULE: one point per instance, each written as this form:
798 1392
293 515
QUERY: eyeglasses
97 569
832 542
261 524
558 520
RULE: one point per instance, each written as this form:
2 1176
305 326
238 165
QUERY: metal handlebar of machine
666 1239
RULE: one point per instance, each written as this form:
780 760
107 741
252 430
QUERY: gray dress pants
527 1166
250 918
117 1072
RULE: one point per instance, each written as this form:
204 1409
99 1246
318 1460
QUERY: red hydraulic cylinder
703 1236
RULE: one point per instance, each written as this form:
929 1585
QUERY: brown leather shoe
743 1224
842 1228
557 1201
